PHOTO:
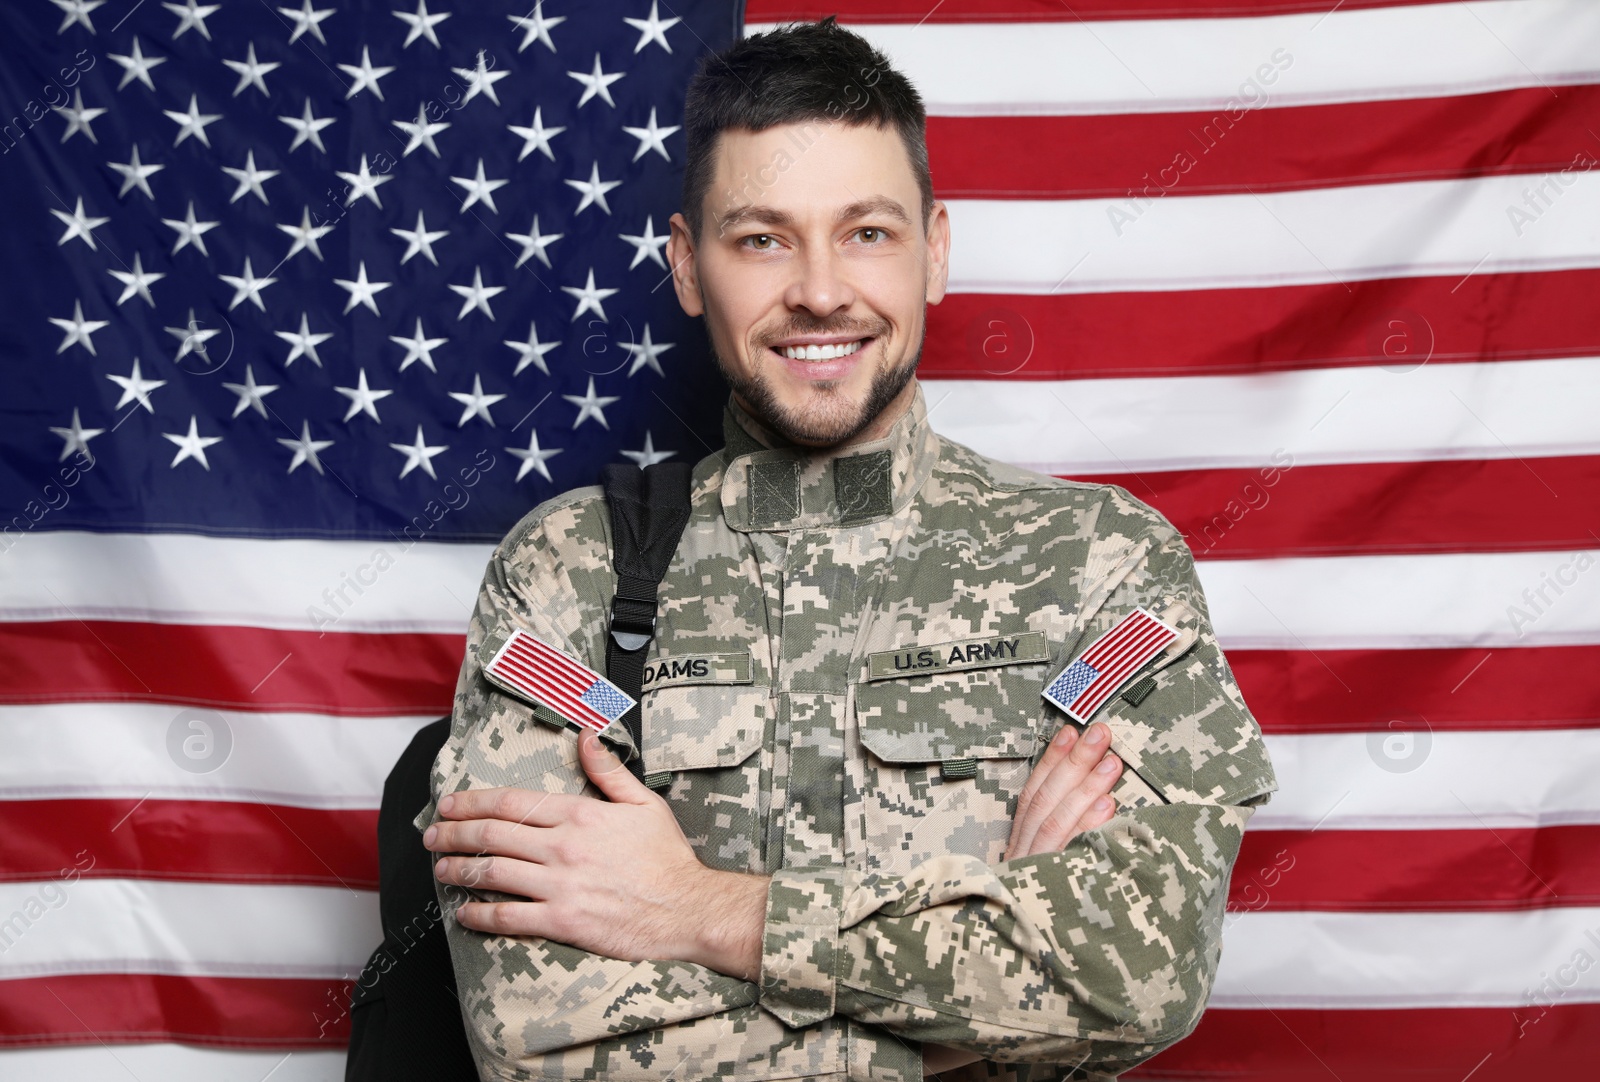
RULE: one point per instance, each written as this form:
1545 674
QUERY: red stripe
555 686
1120 667
196 840
1039 11
569 673
235 668
1282 509
1410 870
238 1012
1394 322
1330 691
1131 626
1222 150
1448 1044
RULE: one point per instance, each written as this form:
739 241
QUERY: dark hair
791 74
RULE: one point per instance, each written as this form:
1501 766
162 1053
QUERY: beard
828 418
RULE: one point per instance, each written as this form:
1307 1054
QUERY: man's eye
760 237
872 234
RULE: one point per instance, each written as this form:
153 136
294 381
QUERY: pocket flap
975 714
697 726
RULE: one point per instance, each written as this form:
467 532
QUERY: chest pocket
702 726
948 754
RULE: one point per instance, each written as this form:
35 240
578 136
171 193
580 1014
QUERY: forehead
809 168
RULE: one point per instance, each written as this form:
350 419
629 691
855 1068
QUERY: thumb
608 773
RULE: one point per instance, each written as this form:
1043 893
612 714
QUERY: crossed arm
618 878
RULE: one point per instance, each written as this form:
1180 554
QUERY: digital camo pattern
880 804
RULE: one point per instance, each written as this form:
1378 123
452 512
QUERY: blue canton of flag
301 269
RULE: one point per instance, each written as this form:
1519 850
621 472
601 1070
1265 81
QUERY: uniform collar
771 485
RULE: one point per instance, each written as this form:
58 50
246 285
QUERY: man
862 854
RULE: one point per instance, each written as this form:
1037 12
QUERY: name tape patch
985 652
533 670
689 669
1108 663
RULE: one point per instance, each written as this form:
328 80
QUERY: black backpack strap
649 510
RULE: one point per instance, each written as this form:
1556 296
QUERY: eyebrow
861 208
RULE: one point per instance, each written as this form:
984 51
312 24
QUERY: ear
681 258
938 240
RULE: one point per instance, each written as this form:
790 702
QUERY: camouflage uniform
796 724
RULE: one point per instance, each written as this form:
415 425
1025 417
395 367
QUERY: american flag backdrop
306 304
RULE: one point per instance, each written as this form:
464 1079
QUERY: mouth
821 362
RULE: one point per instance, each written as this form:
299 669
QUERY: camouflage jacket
844 694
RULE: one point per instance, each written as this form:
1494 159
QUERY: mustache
854 328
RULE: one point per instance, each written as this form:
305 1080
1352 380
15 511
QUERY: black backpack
405 1020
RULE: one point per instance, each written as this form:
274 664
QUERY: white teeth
821 353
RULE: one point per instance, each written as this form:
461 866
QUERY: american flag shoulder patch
536 671
1108 663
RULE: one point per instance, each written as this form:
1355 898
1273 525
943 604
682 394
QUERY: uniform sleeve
522 997
1098 956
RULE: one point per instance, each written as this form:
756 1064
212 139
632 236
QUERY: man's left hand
617 879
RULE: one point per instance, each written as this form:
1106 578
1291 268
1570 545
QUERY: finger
1054 753
494 837
527 806
1065 822
503 874
1067 776
609 775
504 918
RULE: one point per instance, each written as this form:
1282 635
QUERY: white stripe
190 579
1449 228
1497 409
1397 602
194 929
168 1063
1352 960
71 751
1160 65
1433 780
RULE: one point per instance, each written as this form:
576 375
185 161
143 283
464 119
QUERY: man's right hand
1068 793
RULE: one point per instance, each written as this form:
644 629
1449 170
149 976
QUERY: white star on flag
305 236
537 137
419 347
533 458
647 245
361 291
191 444
594 190
479 189
645 353
475 403
477 295
304 342
422 24
79 225
480 80
78 329
246 286
363 184
137 65
136 388
78 118
590 405
419 454
135 174
307 127
648 455
76 438
190 231
250 393
420 240
305 448
192 16
365 75
363 399
137 282
252 72
652 137
421 131
652 29
534 243
193 122
532 351
596 82
77 11
306 21
537 26
249 178
589 297
192 337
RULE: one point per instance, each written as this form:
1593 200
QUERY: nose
819 286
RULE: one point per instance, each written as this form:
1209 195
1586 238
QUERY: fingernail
1107 765
428 835
1064 737
1097 734
440 867
446 802
1103 804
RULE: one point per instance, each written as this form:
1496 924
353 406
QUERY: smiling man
881 833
